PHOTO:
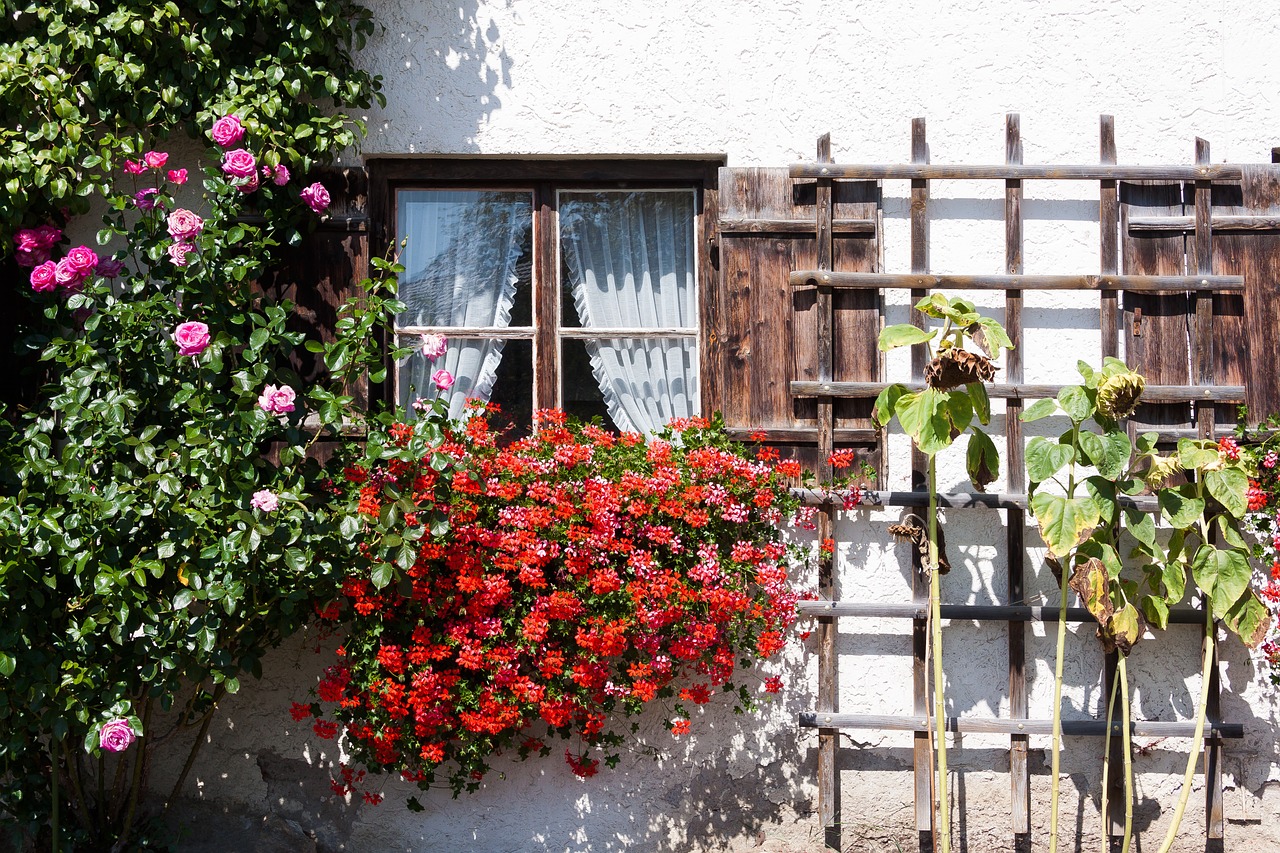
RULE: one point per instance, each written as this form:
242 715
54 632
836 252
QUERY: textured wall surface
757 81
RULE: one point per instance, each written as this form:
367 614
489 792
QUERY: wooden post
1019 774
1108 223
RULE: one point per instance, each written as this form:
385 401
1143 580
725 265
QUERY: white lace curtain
460 270
630 259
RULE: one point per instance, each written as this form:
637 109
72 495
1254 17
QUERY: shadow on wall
442 64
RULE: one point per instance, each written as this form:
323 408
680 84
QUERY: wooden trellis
1189 255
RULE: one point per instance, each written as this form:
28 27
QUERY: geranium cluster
1263 461
550 586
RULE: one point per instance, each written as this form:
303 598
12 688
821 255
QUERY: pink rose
316 197
192 337
110 268
277 400
32 245
116 736
67 275
134 167
177 176
43 279
227 131
240 164
265 500
178 252
281 175
83 259
249 184
183 224
443 379
155 159
145 199
434 346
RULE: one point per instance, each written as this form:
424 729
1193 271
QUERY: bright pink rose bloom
155 159
42 277
178 252
443 379
277 401
134 167
177 176
66 274
192 337
183 224
116 736
249 184
32 245
281 176
316 197
83 259
434 346
145 199
227 131
265 500
240 164
110 268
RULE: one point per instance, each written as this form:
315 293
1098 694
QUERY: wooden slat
1219 221
800 227
871 172
1137 283
1152 393
803 435
1259 261
872 499
1108 247
971 612
922 750
972 725
1019 772
546 348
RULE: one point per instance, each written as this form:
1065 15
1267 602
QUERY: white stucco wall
757 82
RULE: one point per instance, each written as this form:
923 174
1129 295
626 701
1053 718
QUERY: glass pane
513 391
636 385
628 259
467 257
579 391
511 386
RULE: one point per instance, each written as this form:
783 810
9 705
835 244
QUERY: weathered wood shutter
769 327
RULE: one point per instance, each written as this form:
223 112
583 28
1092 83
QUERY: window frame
545 179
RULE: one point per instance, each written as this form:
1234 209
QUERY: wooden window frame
545 179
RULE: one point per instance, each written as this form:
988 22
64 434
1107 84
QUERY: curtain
460 260
630 263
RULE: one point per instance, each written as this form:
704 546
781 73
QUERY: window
555 289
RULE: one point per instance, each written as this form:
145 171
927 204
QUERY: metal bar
1152 394
969 612
1104 282
1008 172
969 725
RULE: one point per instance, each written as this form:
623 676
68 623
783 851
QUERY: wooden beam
1152 394
1006 172
870 280
972 612
1108 241
794 227
1187 224
872 499
973 725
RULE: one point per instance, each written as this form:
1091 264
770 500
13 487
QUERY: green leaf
1250 619
1180 506
1039 409
997 337
1074 400
1147 441
1156 611
7 664
1223 574
1228 487
1197 454
1064 522
1141 526
1174 575
885 404
381 575
1046 458
1109 452
904 335
923 417
981 402
1086 372
1103 492
982 460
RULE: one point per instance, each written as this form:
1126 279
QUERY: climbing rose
178 176
83 260
282 175
316 197
43 277
178 252
434 346
110 268
145 199
240 164
116 736
155 159
443 379
277 400
183 224
33 244
67 275
134 167
192 337
227 131
265 500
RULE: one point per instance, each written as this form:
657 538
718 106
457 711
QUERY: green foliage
85 83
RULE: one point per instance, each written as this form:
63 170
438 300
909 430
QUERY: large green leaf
904 335
1250 619
1074 400
923 417
959 409
981 402
1156 611
996 337
1197 453
1223 574
1064 522
1228 487
1181 506
886 403
1109 452
1039 409
982 460
1046 458
1141 526
1103 492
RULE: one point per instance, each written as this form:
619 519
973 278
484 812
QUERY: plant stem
1198 737
1122 674
1056 759
53 810
939 692
1106 764
127 826
195 748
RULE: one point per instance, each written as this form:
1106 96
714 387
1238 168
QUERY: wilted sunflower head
955 367
1118 395
1161 469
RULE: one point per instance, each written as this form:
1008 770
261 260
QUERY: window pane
628 259
580 393
639 383
466 257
